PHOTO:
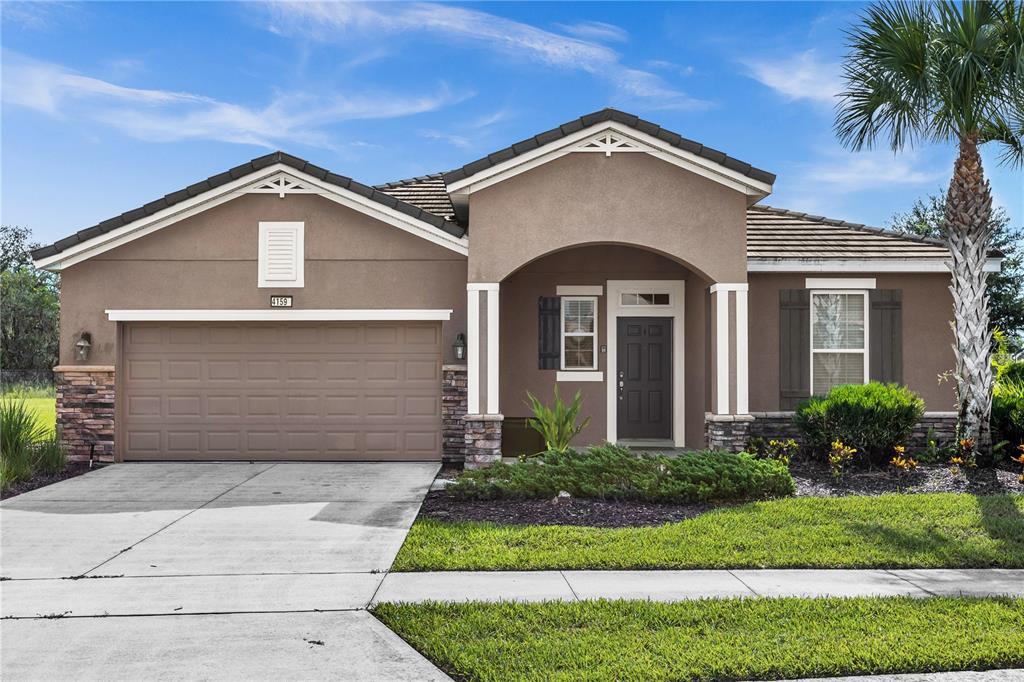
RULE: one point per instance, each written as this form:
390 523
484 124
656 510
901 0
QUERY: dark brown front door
645 377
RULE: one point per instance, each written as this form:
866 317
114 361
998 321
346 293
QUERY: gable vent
281 254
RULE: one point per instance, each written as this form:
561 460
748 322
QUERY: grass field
45 409
889 531
712 640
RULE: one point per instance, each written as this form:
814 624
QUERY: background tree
945 72
1005 288
29 306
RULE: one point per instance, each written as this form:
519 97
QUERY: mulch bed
574 512
41 480
813 479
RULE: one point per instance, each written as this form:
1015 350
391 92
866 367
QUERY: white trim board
839 283
579 290
578 375
237 188
853 265
285 315
677 311
657 148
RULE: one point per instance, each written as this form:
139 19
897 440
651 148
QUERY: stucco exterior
927 335
210 261
633 199
592 265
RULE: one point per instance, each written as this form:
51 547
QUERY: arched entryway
585 319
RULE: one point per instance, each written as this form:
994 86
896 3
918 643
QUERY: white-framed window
281 255
645 298
839 339
579 332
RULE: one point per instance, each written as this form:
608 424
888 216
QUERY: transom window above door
642 298
579 332
839 339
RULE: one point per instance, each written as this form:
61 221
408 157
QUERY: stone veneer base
731 432
483 440
85 411
454 399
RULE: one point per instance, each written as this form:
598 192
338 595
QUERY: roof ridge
408 181
843 223
602 116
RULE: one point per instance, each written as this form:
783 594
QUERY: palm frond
887 89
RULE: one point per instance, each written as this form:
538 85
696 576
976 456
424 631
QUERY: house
279 310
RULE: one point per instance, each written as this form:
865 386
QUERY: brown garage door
329 391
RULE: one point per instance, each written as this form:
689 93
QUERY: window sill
579 375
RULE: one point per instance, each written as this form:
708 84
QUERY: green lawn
45 409
888 531
734 639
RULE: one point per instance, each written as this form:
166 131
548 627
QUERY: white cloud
873 169
337 21
802 76
459 141
664 65
37 15
596 30
166 116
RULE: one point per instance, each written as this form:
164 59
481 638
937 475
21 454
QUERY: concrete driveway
219 571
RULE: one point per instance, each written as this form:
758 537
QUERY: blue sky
108 106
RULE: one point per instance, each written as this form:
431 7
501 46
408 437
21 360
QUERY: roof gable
277 173
610 131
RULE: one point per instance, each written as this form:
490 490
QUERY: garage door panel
273 391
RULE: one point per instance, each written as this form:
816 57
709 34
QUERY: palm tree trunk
968 233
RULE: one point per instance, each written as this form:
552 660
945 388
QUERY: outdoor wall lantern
83 346
460 346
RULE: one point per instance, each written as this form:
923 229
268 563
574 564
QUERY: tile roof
426 191
777 233
387 199
602 116
772 233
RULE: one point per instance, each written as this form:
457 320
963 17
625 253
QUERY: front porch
657 350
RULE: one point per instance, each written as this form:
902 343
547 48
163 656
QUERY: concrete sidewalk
669 586
315 592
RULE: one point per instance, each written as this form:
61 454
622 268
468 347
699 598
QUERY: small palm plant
557 425
946 72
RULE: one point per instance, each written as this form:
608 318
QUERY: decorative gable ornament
610 142
282 184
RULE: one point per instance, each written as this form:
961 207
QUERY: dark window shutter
794 347
885 345
549 332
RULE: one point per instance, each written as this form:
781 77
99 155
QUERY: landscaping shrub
1012 372
871 418
49 455
611 472
1008 412
19 431
556 425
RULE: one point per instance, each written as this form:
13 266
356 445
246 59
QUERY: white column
721 295
742 380
723 361
482 400
472 350
492 350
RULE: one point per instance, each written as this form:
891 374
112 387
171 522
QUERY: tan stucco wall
593 265
210 261
927 336
586 198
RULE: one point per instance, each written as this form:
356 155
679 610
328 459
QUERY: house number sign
280 301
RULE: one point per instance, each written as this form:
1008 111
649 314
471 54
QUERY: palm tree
946 72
